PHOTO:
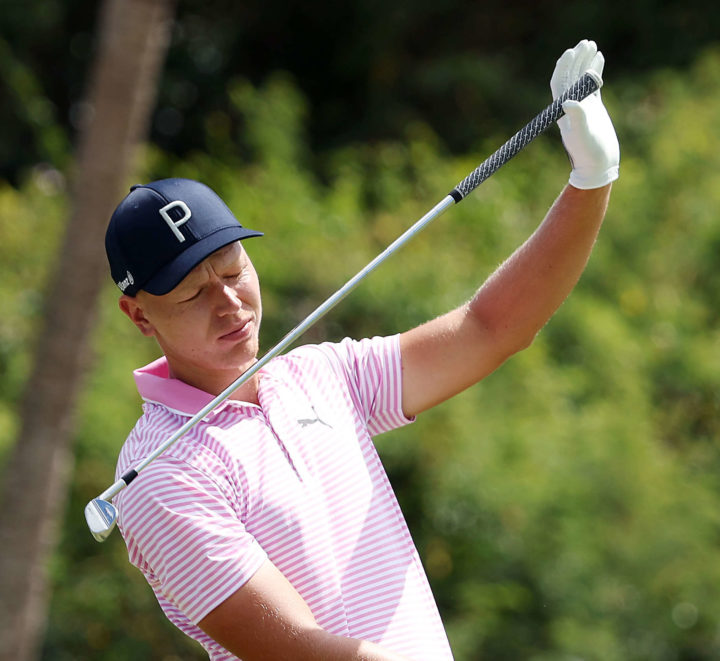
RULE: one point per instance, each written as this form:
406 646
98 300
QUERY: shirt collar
156 386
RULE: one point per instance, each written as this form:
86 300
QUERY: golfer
271 530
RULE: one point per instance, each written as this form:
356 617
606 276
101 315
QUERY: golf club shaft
586 85
283 344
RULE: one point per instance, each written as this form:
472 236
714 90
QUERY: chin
242 357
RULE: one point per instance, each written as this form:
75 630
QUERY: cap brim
168 277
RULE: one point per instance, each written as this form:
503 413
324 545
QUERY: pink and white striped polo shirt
296 480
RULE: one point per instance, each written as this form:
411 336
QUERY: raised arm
452 352
266 619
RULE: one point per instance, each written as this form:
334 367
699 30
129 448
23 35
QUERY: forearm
308 644
267 619
327 647
523 293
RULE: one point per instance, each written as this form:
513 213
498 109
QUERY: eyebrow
188 281
187 286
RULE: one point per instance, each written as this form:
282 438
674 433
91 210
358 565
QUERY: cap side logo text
126 282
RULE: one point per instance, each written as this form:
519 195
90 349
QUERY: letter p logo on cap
174 224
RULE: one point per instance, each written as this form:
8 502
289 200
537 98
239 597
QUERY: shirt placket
283 408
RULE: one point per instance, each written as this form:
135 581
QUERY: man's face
208 325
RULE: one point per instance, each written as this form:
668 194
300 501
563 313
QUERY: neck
214 383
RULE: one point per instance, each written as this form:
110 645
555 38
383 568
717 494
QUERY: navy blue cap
163 229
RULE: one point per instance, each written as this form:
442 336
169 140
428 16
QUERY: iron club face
101 517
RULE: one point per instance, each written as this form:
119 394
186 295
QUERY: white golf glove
587 131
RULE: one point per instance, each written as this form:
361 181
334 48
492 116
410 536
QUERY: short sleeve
372 368
183 533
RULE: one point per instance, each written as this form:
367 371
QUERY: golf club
101 515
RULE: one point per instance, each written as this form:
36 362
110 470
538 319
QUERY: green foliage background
567 507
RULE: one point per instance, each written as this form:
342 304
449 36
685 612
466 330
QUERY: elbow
506 337
510 343
525 340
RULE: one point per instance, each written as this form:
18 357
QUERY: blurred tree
132 44
368 68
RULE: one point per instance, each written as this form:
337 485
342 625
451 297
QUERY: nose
226 299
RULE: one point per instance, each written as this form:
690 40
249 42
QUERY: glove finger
585 52
575 112
573 63
577 56
560 80
598 63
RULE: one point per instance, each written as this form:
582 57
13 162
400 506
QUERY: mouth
239 332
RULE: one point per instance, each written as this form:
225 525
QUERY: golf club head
101 517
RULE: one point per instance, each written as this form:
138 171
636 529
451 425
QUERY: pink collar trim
156 386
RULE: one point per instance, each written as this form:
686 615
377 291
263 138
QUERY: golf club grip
588 83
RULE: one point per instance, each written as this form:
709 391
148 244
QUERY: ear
132 306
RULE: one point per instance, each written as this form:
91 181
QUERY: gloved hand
587 131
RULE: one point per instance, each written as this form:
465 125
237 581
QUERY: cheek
183 325
256 292
248 292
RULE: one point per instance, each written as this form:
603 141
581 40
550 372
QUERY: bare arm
447 355
452 352
267 619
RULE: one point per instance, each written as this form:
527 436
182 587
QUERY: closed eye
192 297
